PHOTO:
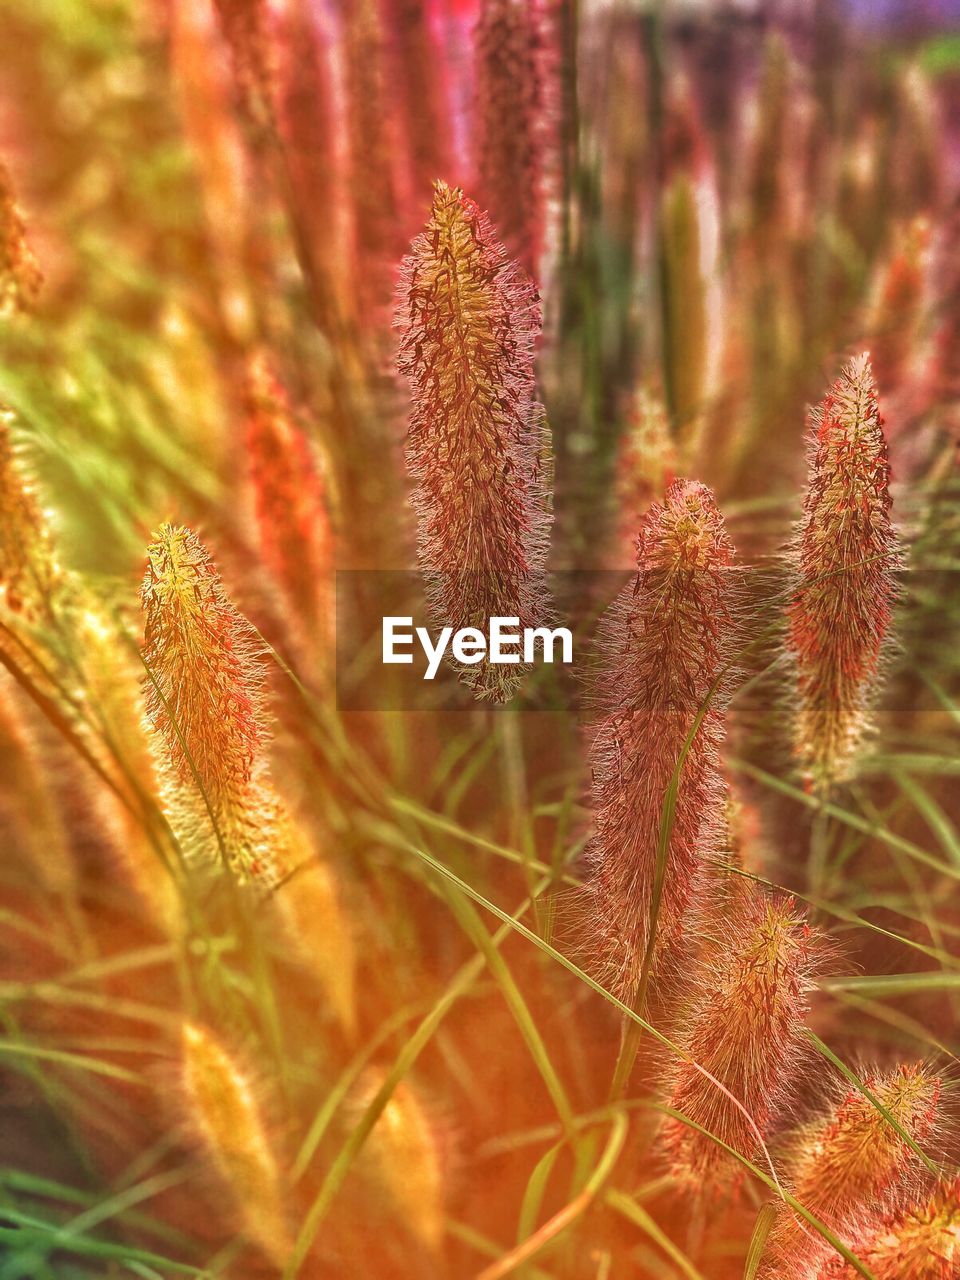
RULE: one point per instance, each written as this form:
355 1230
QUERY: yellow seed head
225 1112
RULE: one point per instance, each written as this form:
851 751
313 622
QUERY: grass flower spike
853 1162
206 703
468 319
665 642
921 1242
30 577
225 1113
848 557
510 47
203 701
746 1030
20 277
402 1155
292 523
244 24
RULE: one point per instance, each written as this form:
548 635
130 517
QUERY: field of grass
638 314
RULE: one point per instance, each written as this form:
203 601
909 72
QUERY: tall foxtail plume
666 643
204 702
245 27
468 319
31 580
847 557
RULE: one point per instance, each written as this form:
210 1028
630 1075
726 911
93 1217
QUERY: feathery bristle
847 561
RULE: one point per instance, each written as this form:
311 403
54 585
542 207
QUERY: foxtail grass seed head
403 1156
647 461
419 93
372 183
245 27
20 277
313 914
665 645
852 1163
293 526
31 824
510 54
920 1242
746 1030
468 319
204 698
224 1110
847 557
900 306
30 576
204 693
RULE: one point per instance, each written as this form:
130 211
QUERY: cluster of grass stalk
665 987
